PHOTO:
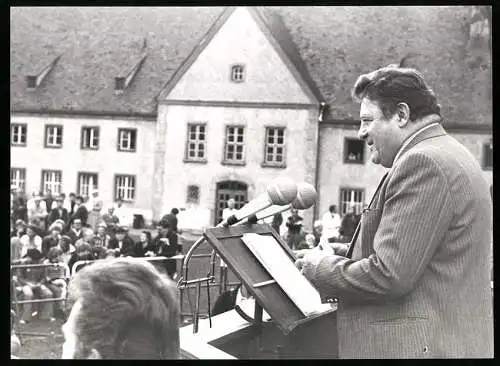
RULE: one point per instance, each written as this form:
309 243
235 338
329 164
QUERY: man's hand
308 260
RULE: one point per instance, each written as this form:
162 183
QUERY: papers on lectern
279 265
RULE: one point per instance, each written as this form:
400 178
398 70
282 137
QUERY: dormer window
31 80
237 73
34 79
123 81
119 83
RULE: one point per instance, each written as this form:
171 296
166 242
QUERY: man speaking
415 282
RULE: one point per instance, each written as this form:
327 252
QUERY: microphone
281 192
306 196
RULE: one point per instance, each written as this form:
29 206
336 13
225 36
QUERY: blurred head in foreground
122 309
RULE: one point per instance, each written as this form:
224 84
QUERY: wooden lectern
288 334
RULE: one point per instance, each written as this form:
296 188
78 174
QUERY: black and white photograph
251 182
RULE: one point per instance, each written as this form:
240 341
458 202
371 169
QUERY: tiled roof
335 45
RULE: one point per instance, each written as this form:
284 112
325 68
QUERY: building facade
192 106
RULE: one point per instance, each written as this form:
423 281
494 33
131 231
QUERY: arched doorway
226 190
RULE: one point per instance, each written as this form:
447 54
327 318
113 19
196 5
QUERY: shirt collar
411 138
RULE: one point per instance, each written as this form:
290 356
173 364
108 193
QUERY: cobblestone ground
43 339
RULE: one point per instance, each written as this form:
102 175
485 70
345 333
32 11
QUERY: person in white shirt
121 213
331 224
229 210
30 240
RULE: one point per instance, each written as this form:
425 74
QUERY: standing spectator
95 204
229 210
171 220
121 212
318 231
72 206
122 243
101 239
165 248
331 224
294 225
145 247
19 207
67 249
51 240
277 221
49 200
81 211
30 241
58 212
75 232
37 214
55 280
111 220
348 225
15 240
29 282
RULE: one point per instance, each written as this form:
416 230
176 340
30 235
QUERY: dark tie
356 233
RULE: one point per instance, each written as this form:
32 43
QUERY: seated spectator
144 322
19 229
67 249
58 212
75 232
37 211
30 241
82 253
111 220
19 208
101 238
51 240
87 237
55 280
122 243
145 247
30 284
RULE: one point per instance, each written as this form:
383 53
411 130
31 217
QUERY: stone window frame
23 127
92 130
127 187
197 141
274 146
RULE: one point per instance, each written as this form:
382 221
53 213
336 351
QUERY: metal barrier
17 302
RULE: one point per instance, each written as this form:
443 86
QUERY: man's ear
403 114
94 355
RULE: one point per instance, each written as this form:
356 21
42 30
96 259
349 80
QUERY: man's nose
362 132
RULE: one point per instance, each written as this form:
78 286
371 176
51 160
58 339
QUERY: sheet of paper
277 262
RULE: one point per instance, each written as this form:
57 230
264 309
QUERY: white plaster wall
300 154
239 40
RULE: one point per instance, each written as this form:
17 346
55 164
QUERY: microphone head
306 196
282 191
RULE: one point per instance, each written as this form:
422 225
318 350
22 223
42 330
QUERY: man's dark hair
175 211
332 208
80 198
391 85
129 310
72 195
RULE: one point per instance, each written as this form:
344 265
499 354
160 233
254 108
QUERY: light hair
129 310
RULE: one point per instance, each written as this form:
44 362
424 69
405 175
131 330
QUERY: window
51 180
125 187
127 139
237 73
275 146
53 136
87 183
193 194
234 150
196 142
18 178
354 151
488 155
351 198
90 138
18 134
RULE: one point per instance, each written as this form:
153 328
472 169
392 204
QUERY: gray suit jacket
418 283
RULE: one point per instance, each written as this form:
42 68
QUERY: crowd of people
69 233
331 228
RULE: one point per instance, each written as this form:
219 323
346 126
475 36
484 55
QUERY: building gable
241 39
